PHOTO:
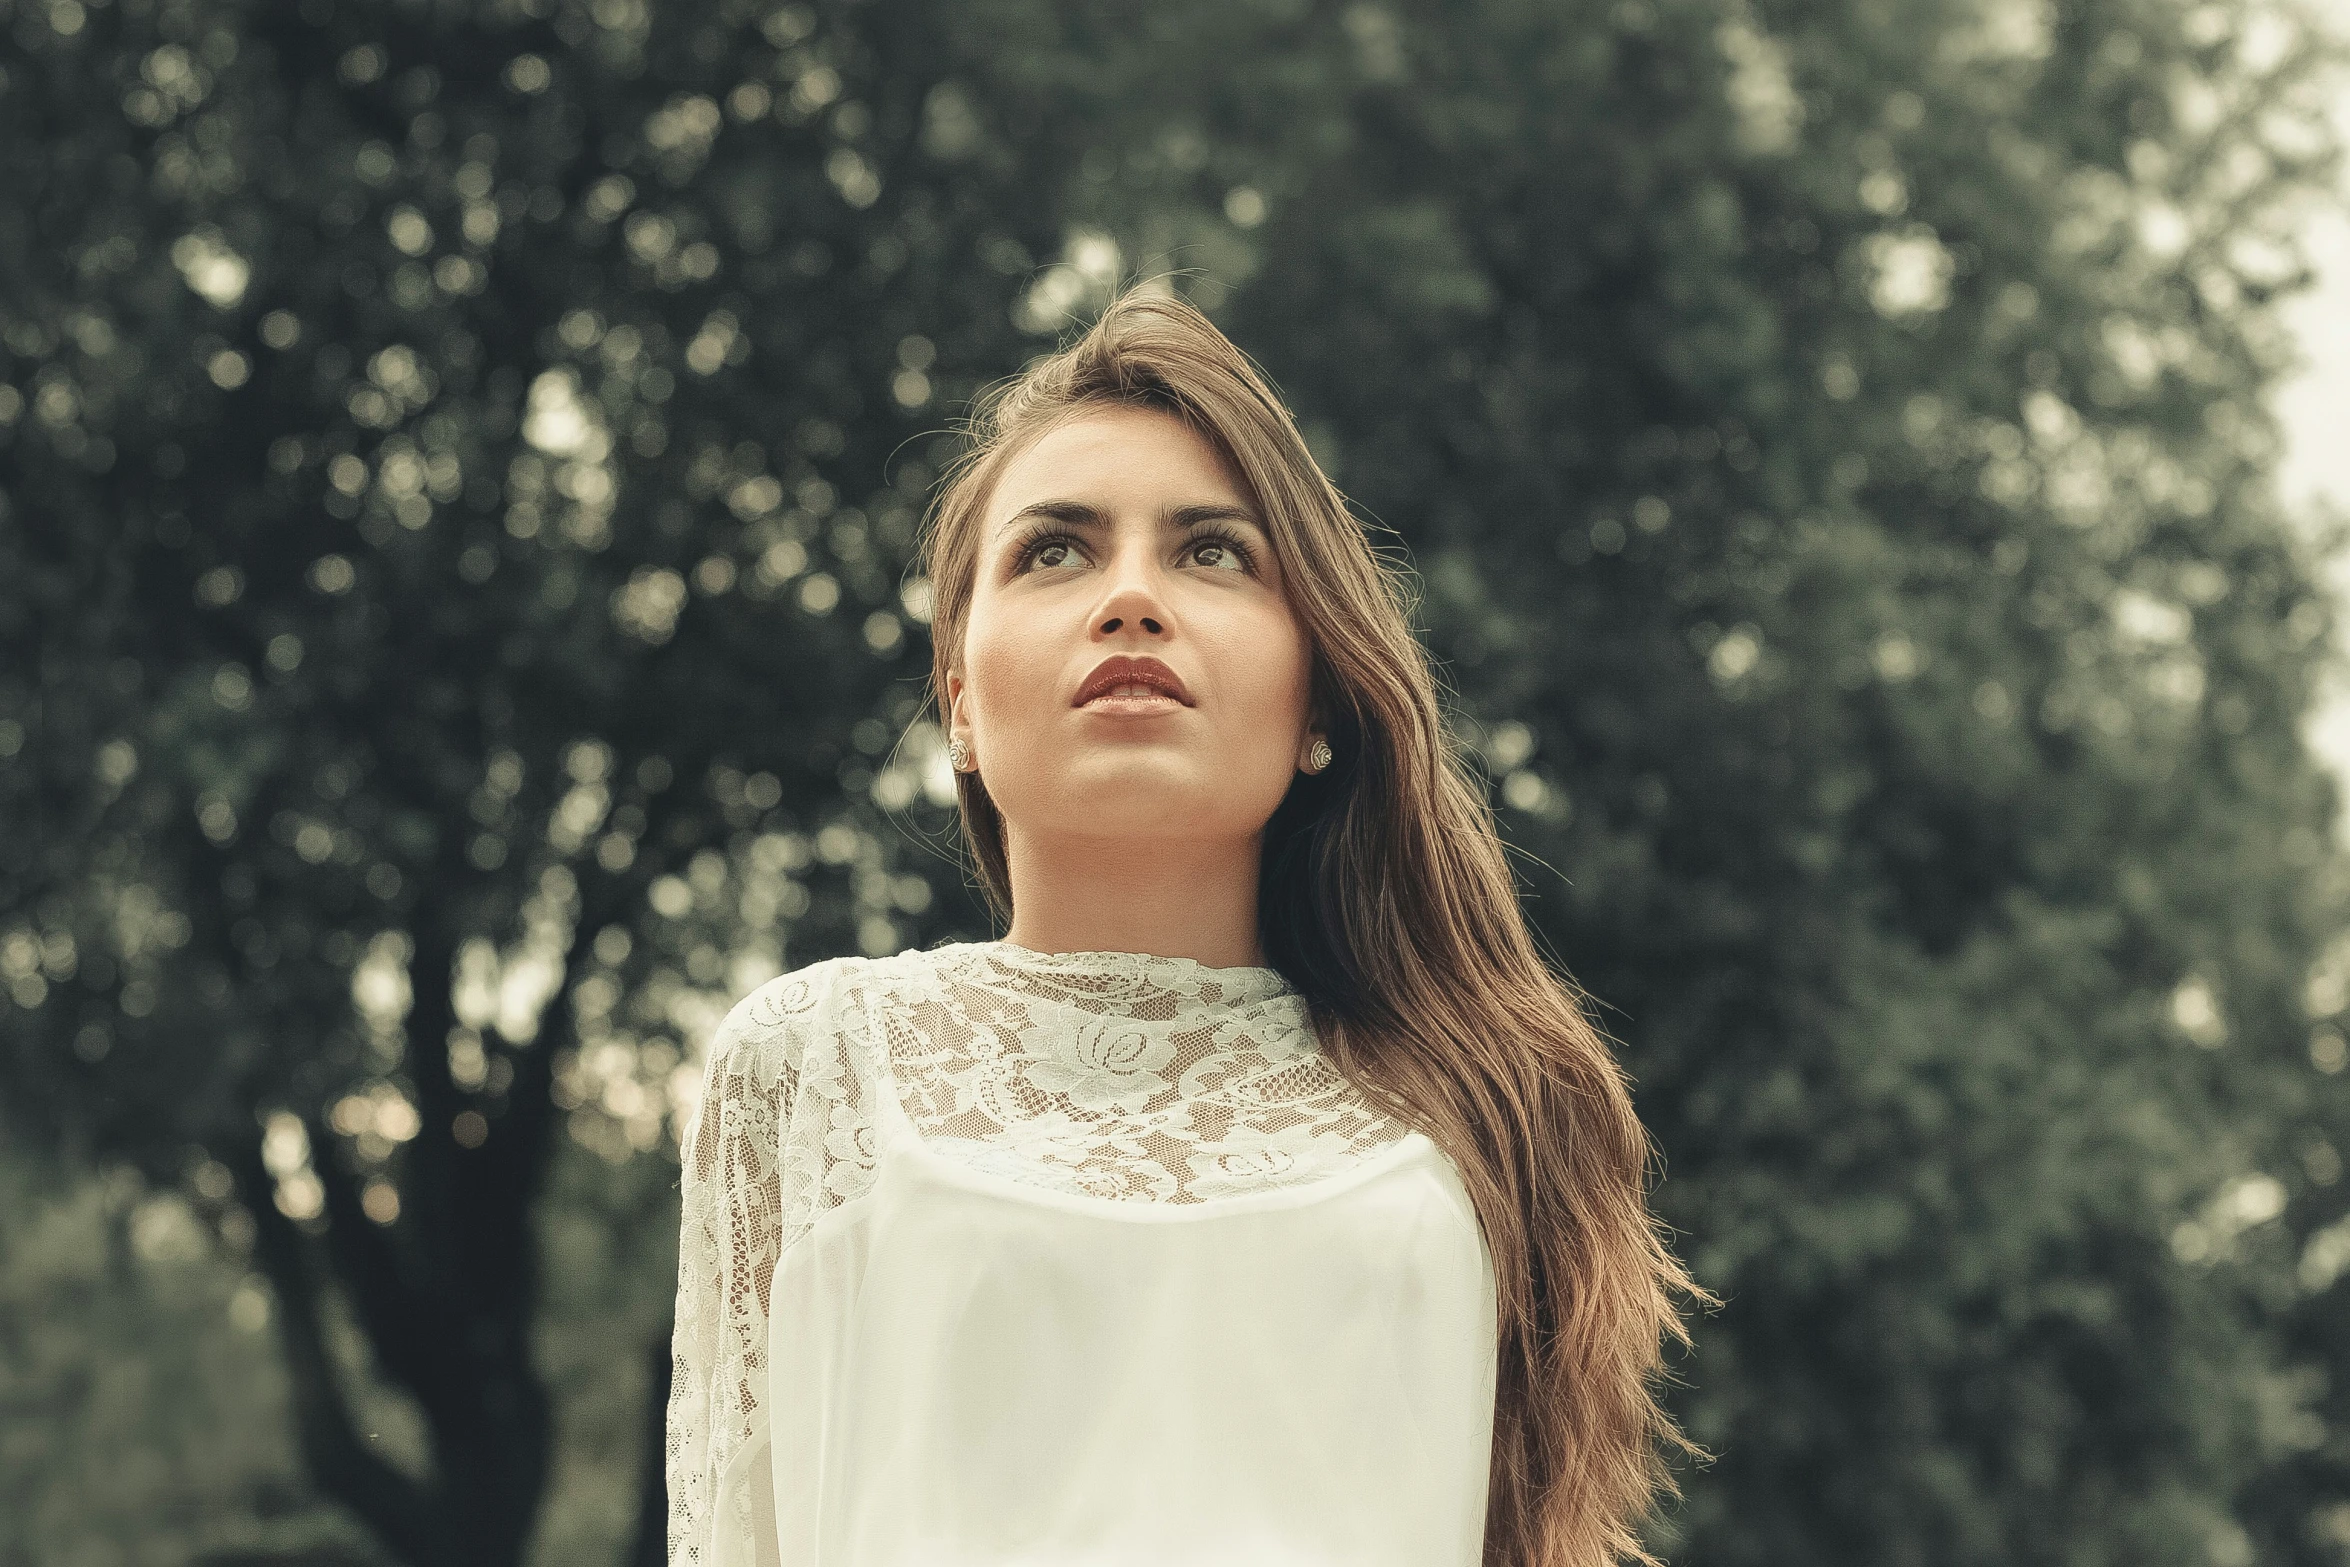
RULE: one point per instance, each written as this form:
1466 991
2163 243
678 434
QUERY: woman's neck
1175 897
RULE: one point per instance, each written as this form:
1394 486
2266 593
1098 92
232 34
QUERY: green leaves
460 469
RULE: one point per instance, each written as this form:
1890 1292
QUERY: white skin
1131 834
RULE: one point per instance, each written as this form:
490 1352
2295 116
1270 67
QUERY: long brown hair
1386 899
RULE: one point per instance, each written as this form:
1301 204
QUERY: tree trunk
652 1518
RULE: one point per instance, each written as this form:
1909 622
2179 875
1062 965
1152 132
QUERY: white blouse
997 1257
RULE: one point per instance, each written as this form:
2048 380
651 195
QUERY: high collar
1140 983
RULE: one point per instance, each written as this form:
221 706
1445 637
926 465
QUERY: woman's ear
952 719
1316 738
1320 719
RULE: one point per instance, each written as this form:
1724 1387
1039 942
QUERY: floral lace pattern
1114 1075
751 1181
1122 1075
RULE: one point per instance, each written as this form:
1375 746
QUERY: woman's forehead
1113 446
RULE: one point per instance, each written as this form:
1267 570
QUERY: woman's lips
1112 705
1123 673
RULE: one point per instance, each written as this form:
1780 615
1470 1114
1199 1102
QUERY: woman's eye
1056 550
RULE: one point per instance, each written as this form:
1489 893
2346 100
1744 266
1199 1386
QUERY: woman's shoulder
782 1017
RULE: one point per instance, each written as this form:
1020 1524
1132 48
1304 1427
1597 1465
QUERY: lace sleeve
733 1229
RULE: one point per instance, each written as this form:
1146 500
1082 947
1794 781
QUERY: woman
1260 1197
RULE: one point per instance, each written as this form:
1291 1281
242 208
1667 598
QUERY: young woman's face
1122 533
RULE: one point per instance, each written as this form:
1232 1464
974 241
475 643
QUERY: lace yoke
1121 1075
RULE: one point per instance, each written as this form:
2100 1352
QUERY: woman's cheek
1275 672
1007 676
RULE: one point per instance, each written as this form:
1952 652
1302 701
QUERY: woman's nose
1132 593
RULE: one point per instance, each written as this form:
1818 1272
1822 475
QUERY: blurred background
1875 474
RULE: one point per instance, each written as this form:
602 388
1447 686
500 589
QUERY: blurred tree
143 1414
451 641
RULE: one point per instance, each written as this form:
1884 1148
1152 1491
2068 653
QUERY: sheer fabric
992 1256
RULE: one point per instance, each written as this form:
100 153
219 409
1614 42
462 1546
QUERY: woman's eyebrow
1077 514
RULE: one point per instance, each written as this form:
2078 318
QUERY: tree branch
387 1501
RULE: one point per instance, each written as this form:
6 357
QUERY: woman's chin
1154 769
1148 790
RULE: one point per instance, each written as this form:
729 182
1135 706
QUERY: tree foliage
460 465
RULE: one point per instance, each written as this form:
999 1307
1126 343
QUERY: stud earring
958 755
1319 757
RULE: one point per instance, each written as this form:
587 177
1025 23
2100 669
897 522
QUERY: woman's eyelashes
1039 539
